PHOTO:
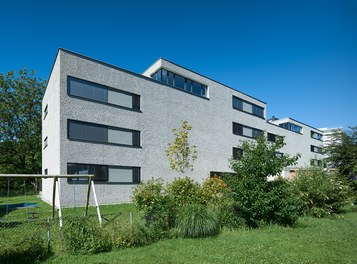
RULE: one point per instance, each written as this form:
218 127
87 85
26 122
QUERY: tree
261 201
343 151
179 152
20 122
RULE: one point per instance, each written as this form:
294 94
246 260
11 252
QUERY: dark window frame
136 174
237 104
45 143
136 134
135 107
312 133
312 149
159 76
45 112
237 153
287 126
240 126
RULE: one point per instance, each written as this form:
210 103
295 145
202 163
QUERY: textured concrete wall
51 130
162 108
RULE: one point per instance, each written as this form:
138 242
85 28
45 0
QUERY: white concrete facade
162 107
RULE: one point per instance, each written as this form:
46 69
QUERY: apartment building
116 124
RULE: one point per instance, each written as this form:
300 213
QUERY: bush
132 236
322 193
152 200
27 250
184 191
197 221
85 237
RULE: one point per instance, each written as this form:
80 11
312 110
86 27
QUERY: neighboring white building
327 135
116 124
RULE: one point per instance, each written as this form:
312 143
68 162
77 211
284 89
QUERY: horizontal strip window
316 135
103 94
246 131
79 130
291 127
45 142
180 82
105 173
237 153
242 105
315 149
316 162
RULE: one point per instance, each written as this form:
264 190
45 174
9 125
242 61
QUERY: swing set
56 192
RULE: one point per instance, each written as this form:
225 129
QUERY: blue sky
298 56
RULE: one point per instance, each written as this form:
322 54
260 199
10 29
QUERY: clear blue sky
298 56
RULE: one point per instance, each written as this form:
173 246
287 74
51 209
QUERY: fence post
48 234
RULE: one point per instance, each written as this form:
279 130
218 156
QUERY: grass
327 240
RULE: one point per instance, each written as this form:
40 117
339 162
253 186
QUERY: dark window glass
291 126
45 172
237 129
316 135
101 133
237 153
271 137
170 78
179 81
237 103
45 112
102 172
45 142
315 149
188 85
164 76
247 107
101 93
257 133
204 90
258 111
196 88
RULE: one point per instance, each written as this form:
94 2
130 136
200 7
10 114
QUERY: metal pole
54 197
96 204
48 234
59 204
88 195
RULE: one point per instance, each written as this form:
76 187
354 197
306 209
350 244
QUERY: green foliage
196 220
152 200
184 191
26 250
216 192
259 201
135 235
322 193
343 151
179 152
85 237
20 125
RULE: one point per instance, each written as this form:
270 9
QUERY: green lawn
329 240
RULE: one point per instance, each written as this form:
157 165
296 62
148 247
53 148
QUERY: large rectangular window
291 127
315 149
100 93
247 107
79 130
180 82
316 135
237 153
246 131
105 173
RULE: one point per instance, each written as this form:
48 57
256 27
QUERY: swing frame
56 190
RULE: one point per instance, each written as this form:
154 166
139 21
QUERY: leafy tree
179 152
20 126
343 151
259 200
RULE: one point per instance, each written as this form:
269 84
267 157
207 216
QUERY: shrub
152 200
29 249
85 237
197 221
322 193
184 191
216 192
132 236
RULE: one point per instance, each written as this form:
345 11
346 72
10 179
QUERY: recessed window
246 131
45 171
45 142
180 82
271 137
316 135
79 130
45 111
237 153
247 107
316 162
105 173
316 149
103 94
291 127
